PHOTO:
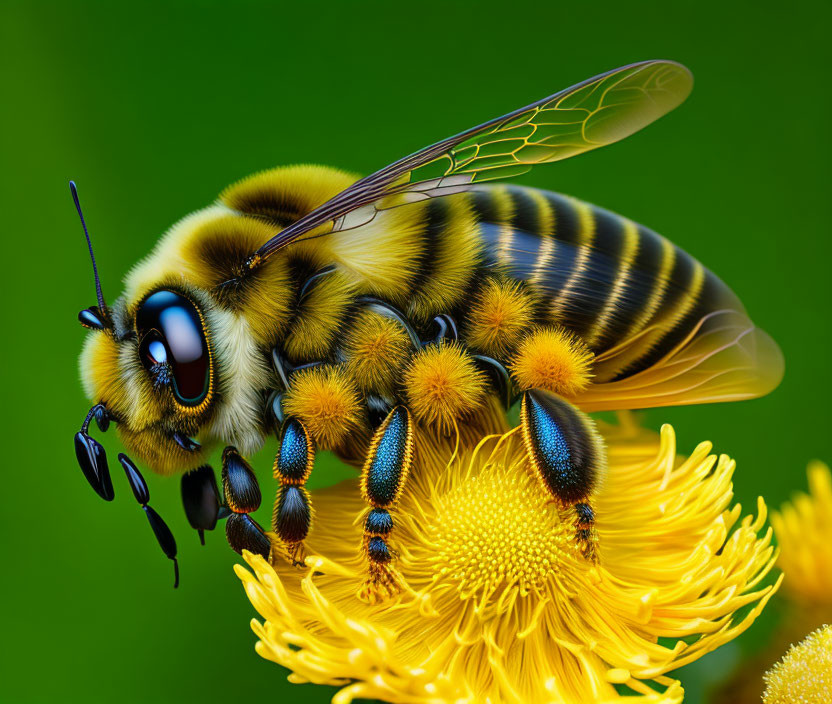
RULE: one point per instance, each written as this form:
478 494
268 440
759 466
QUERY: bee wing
724 358
591 114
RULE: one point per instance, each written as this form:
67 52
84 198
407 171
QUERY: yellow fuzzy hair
314 328
500 315
555 360
376 348
454 260
165 261
443 384
215 253
100 374
326 402
382 254
113 375
286 193
156 448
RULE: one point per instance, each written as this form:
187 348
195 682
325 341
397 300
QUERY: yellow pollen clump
443 384
555 360
326 401
495 531
804 675
376 348
499 317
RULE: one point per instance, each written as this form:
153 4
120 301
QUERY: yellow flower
500 605
804 533
804 674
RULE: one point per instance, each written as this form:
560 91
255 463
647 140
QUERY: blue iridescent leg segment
292 509
382 481
568 457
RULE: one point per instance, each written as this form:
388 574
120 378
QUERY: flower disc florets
499 604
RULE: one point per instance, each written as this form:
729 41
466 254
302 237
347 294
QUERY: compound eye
170 332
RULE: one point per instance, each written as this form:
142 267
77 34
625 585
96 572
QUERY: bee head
150 365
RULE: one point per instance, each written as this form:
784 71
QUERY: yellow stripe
546 217
659 288
628 256
689 298
585 238
683 306
505 212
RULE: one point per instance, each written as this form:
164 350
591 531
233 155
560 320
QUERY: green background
154 107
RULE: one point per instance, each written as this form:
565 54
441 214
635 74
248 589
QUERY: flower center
495 531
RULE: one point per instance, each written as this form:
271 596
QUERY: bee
356 314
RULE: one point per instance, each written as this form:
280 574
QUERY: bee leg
242 495
500 378
160 528
92 459
378 407
382 482
446 329
567 455
201 499
292 509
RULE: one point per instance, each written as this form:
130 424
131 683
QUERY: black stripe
436 217
566 230
650 252
681 278
591 290
526 216
526 239
635 287
609 233
484 205
708 301
641 283
567 223
524 252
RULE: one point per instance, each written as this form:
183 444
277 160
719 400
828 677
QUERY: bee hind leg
568 457
383 478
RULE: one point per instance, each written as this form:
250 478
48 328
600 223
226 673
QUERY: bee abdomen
602 276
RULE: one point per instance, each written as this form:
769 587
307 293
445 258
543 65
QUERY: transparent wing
599 111
724 358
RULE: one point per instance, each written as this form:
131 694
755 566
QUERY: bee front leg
293 509
382 482
242 495
568 457
160 529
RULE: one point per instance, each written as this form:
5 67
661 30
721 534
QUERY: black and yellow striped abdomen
600 275
663 329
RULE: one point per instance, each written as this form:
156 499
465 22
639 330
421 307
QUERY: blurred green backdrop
154 107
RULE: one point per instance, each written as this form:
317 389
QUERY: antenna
102 305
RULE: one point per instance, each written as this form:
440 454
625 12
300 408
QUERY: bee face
154 371
183 353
